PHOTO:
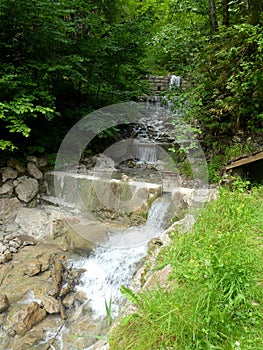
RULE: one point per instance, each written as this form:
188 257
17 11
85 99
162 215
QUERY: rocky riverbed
43 303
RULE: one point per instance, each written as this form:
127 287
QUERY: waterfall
175 81
157 217
147 152
106 271
108 268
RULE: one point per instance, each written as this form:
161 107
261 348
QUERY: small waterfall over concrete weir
158 216
110 267
147 152
175 81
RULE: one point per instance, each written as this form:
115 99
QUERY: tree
225 5
60 60
255 11
212 16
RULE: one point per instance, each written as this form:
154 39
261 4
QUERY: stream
113 265
143 182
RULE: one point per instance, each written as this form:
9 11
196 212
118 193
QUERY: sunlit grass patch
216 298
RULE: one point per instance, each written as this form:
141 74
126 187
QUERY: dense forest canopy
60 60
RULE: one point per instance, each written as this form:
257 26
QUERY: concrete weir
90 192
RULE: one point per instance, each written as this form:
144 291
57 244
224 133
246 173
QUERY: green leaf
129 295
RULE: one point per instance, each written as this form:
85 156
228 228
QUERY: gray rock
40 162
34 171
2 248
8 209
4 303
32 159
16 164
33 222
159 278
8 173
6 256
25 240
26 188
10 236
104 162
14 244
7 189
13 249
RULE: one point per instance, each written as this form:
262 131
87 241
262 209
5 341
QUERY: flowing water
110 267
175 81
147 152
107 269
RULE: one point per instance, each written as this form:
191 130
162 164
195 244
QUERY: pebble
13 250
9 244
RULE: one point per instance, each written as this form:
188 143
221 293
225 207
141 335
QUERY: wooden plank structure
246 159
250 166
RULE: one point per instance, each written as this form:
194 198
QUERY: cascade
114 263
175 81
147 152
108 268
154 129
157 217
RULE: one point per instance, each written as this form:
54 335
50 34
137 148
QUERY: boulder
8 173
25 240
51 304
4 303
26 188
34 171
6 256
16 164
32 338
8 209
40 162
6 189
68 301
33 221
159 278
104 162
28 318
33 268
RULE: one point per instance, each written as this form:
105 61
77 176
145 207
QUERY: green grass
215 300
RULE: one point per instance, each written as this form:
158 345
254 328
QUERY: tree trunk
212 16
225 12
255 11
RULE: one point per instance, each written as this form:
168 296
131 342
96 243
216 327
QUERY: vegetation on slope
214 299
61 60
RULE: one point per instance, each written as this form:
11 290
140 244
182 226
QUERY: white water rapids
108 268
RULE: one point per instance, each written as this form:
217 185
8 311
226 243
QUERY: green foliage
225 69
129 295
215 296
229 81
240 185
178 37
108 311
59 61
62 60
222 153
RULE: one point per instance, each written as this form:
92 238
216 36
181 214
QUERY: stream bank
36 238
100 220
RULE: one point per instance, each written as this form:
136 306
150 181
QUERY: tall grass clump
215 294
